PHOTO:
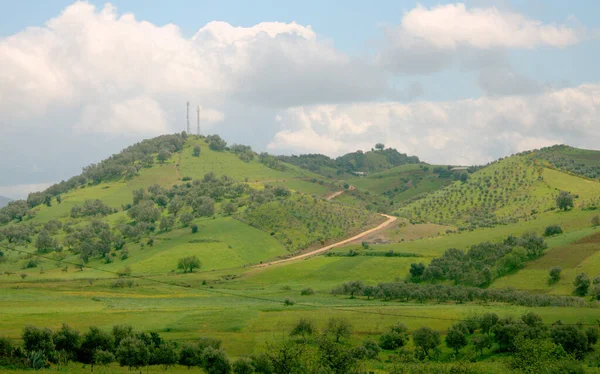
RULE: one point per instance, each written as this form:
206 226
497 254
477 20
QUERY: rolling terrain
275 235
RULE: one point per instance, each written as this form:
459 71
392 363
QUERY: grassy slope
511 189
402 182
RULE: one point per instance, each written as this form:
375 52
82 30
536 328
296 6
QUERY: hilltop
4 201
581 162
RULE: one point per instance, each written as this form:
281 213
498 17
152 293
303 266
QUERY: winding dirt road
383 225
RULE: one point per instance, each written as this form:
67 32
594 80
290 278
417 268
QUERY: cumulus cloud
429 39
460 132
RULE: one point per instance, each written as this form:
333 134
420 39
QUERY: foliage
554 274
188 264
582 284
426 339
553 230
564 200
395 337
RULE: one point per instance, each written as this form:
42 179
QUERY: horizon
451 82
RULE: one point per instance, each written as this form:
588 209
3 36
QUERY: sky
460 83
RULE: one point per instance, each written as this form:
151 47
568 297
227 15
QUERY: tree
304 328
353 288
44 242
340 328
194 229
243 365
188 264
571 338
554 274
553 230
185 219
395 337
596 221
102 357
564 200
68 340
197 150
481 342
175 205
229 208
203 206
582 284
456 339
215 361
163 155
190 355
145 211
165 354
93 340
416 270
36 339
216 143
426 339
133 353
167 223
379 146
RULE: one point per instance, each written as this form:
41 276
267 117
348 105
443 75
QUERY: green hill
355 163
581 162
505 191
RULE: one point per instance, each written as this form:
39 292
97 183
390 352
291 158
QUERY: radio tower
198 110
187 117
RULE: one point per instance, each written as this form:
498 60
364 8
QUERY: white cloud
20 191
459 132
429 39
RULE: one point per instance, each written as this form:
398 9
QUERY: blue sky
450 82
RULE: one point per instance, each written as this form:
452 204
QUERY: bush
307 291
288 302
194 229
395 337
554 274
596 221
553 230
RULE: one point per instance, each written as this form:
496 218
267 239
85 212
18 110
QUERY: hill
355 163
503 192
581 162
4 201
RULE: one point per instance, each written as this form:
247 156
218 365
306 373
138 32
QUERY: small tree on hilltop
163 155
564 201
196 150
188 264
379 146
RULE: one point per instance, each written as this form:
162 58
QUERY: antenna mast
198 110
187 116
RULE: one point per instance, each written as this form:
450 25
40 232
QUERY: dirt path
390 219
338 193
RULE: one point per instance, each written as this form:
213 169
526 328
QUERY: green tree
553 230
215 361
426 339
571 338
203 206
68 340
229 208
304 328
379 146
44 242
243 365
175 205
339 328
188 264
564 200
554 274
165 354
94 339
395 337
163 155
582 284
186 219
481 342
102 357
36 339
133 353
167 223
596 221
456 339
190 355
197 150
145 211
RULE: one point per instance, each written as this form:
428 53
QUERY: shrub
194 229
395 337
307 291
596 221
554 274
288 302
582 284
553 230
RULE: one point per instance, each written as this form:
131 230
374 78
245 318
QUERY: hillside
355 163
505 191
4 201
581 162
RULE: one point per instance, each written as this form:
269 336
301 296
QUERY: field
262 213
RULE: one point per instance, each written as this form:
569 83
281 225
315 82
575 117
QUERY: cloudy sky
460 83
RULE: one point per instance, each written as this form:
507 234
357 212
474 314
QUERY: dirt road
390 219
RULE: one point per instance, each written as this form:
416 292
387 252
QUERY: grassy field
228 298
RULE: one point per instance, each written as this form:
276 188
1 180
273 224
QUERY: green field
276 210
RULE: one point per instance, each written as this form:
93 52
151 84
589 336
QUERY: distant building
360 173
459 168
